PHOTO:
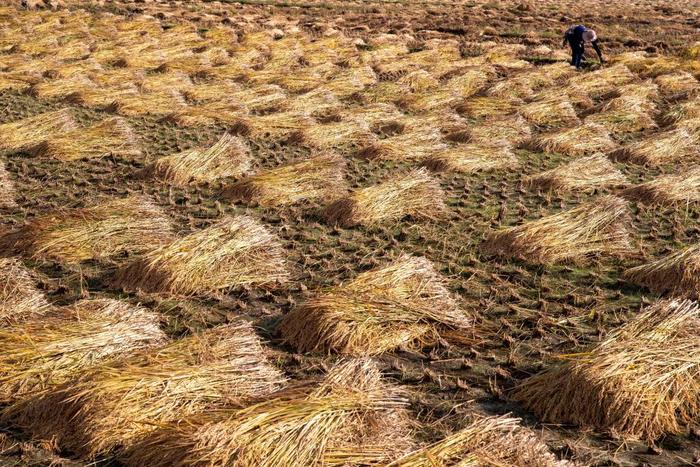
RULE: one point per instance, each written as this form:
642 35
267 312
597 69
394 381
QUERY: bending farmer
577 36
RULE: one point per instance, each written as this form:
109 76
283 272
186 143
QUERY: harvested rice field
349 233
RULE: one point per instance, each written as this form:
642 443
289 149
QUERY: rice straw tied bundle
352 414
588 138
234 252
493 441
319 177
414 194
597 227
228 157
512 130
115 404
408 146
642 381
668 189
28 132
675 273
133 224
379 310
112 136
582 175
662 148
19 297
473 157
50 350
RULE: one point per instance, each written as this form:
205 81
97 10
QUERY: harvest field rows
348 233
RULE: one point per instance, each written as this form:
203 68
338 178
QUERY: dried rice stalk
676 273
274 126
116 404
663 148
419 81
642 381
584 174
160 82
474 157
319 177
480 107
112 136
215 91
53 349
414 194
487 441
228 157
338 135
603 81
352 416
13 81
622 121
134 224
409 146
597 227
234 252
678 84
668 189
685 110
101 98
7 189
27 132
588 138
159 104
60 88
511 130
379 310
551 113
19 297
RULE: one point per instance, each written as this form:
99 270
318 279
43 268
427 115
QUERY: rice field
303 233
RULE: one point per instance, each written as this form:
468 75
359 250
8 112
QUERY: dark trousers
576 53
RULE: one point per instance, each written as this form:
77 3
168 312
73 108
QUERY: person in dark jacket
576 37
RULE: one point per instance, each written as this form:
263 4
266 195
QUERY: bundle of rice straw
473 157
683 110
7 189
274 126
153 103
601 226
603 81
642 381
318 177
19 297
470 81
128 225
234 252
419 81
588 138
409 146
112 136
389 92
352 417
209 113
437 100
13 81
27 132
579 99
101 98
414 194
486 441
680 189
379 310
480 107
55 348
214 91
661 148
678 84
550 113
317 103
622 121
158 82
338 135
675 273
584 174
228 157
60 88
512 130
115 404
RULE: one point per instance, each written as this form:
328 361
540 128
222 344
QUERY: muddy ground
524 315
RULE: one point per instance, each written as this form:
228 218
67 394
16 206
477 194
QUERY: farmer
577 36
